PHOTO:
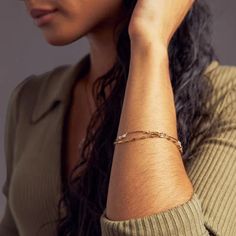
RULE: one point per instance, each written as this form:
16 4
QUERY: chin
61 39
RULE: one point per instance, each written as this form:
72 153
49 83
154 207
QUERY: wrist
149 40
149 47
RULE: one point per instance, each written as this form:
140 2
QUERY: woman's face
76 18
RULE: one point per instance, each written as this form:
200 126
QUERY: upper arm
212 169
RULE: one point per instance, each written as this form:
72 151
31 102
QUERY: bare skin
76 130
158 165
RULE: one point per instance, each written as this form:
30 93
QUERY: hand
157 19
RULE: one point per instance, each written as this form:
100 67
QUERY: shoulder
223 77
223 80
25 93
32 83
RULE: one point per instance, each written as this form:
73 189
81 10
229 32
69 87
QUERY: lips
36 13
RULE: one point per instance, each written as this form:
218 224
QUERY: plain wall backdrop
24 51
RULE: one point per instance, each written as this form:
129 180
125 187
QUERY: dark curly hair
190 52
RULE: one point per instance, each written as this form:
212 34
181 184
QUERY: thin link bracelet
151 134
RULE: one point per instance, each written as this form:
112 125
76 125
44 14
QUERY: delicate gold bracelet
150 134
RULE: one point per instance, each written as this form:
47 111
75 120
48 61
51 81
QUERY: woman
71 170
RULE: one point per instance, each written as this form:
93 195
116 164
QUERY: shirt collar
57 85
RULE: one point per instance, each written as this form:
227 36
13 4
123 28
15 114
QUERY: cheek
90 13
62 33
67 26
77 18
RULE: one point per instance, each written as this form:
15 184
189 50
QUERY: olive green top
33 143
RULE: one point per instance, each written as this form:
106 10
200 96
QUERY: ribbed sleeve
212 171
185 219
7 225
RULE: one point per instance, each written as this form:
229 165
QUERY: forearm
147 175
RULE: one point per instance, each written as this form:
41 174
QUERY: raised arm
155 164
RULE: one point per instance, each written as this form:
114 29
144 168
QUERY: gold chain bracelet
149 134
